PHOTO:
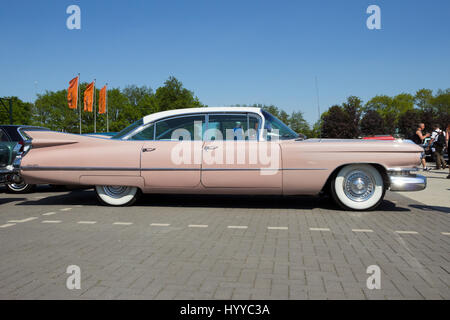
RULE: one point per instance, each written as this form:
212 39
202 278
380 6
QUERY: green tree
441 106
21 111
336 123
173 96
298 123
423 99
371 123
353 107
51 110
408 123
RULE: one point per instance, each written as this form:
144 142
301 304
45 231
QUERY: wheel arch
381 169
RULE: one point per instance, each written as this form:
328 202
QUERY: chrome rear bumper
406 180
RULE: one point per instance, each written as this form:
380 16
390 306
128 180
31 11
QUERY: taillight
22 143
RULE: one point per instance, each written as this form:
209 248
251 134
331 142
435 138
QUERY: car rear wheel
20 187
358 187
117 195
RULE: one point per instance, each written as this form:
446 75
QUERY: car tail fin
43 139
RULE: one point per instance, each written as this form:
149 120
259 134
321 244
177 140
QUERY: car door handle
210 147
148 149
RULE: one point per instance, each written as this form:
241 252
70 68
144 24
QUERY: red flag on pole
72 93
89 97
102 101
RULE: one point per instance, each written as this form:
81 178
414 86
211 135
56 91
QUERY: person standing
447 136
418 138
438 142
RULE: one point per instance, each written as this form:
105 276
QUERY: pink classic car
224 150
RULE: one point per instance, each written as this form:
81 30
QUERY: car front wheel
117 195
358 187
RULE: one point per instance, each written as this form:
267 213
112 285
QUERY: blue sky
229 52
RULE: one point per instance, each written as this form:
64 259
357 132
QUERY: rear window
3 136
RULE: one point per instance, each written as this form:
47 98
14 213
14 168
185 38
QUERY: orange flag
72 93
89 97
102 101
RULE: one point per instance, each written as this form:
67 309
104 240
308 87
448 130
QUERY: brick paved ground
220 248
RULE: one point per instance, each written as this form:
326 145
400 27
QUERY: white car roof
164 114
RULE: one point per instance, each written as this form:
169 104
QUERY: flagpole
106 105
95 111
78 93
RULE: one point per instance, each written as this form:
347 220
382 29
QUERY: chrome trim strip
402 169
35 168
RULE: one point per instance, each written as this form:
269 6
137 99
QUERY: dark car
16 134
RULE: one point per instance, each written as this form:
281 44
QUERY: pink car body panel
303 166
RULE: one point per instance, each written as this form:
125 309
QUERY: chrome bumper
406 180
8 173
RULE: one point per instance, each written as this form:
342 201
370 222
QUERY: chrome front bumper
406 180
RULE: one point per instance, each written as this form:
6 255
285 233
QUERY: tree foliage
382 114
124 107
372 123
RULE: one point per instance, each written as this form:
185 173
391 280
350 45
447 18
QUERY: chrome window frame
206 115
144 126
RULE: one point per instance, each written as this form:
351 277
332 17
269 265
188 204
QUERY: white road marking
198 226
277 228
87 222
49 213
160 224
237 227
23 220
446 233
123 223
7 225
39 197
319 229
51 221
362 230
79 206
65 209
406 232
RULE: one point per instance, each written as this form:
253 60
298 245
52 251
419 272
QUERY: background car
8 152
380 137
429 155
13 134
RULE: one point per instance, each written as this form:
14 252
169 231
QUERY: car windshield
272 124
128 129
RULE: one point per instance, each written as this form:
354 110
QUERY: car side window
3 136
253 130
180 128
232 127
145 134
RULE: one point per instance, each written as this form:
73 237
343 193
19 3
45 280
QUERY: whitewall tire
358 187
20 187
117 195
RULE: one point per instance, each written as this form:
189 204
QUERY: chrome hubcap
359 186
116 191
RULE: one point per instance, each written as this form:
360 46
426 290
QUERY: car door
171 153
234 157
